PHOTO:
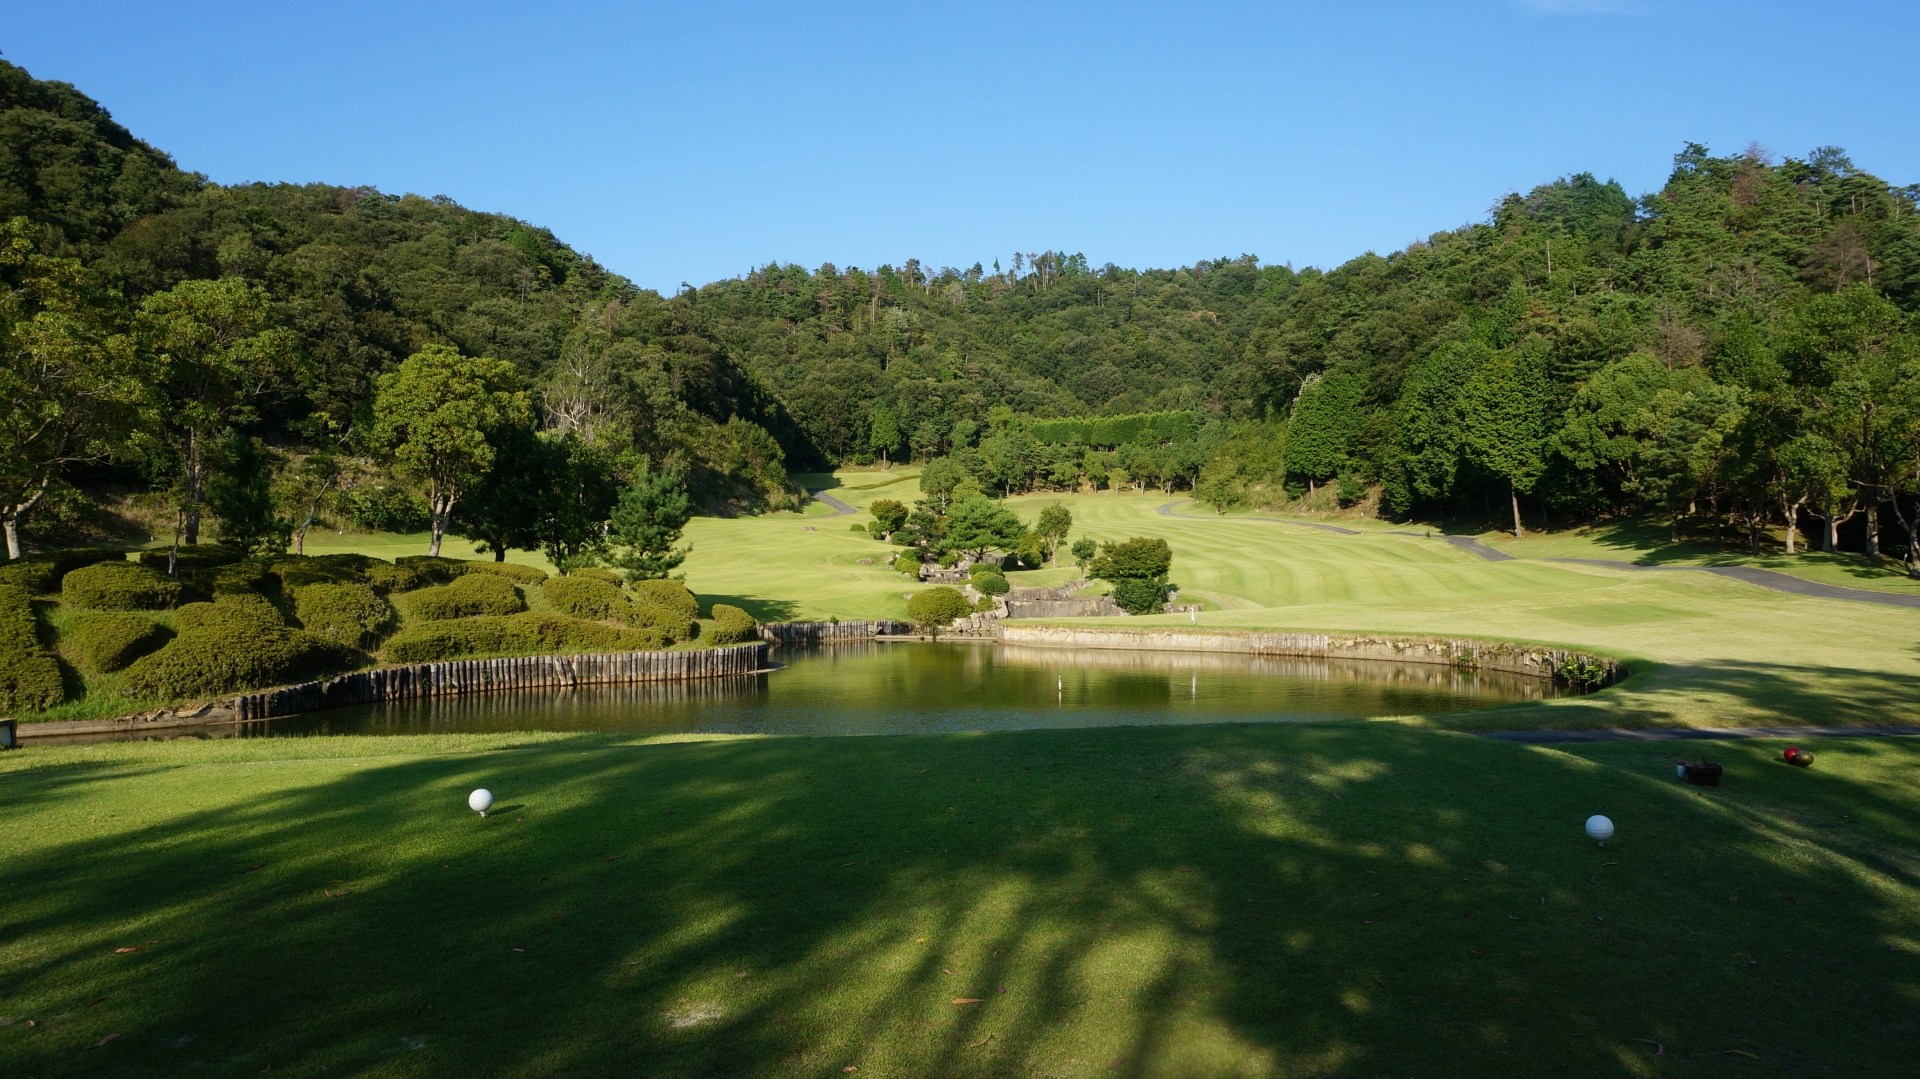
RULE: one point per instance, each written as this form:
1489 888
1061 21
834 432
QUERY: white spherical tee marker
481 799
1600 829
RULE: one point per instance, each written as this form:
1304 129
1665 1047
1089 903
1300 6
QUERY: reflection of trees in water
1438 677
634 705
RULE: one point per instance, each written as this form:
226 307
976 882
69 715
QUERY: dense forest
1735 353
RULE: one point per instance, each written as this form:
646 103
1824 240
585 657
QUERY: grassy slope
1250 901
1728 652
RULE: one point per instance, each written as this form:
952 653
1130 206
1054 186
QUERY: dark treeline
1733 351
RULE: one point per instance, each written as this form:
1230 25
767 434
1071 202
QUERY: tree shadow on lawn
1232 900
1754 694
762 609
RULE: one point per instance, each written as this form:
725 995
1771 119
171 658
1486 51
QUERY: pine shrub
596 573
469 594
351 614
235 610
669 594
387 578
119 586
228 651
30 679
731 625
584 597
109 640
512 571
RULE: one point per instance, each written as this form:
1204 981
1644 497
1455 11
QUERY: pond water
915 688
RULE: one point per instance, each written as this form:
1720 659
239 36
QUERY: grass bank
1357 899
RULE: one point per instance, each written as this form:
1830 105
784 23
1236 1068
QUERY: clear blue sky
688 142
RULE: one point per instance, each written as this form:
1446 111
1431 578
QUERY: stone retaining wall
1535 660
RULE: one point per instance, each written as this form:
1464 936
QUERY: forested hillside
1734 352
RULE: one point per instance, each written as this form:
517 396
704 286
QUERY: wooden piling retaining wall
814 632
485 675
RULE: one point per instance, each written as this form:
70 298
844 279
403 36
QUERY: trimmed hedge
669 594
512 571
242 577
227 651
906 565
732 625
595 573
992 584
351 614
236 609
584 597
109 640
530 633
30 678
672 624
40 572
193 557
119 586
297 572
387 578
432 569
469 594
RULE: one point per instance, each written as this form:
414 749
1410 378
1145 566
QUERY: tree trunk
196 479
19 513
439 509
1912 528
13 538
1514 493
1790 512
1873 530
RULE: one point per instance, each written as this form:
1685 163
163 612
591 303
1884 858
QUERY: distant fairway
1726 651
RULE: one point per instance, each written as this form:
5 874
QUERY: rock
866 561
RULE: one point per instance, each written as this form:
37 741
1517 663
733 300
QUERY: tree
1138 569
213 353
883 433
1503 421
1052 528
647 522
979 525
1084 550
506 509
433 417
578 495
889 516
931 608
1325 419
320 477
240 495
939 477
65 375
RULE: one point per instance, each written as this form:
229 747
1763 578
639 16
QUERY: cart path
1766 578
840 509
1167 511
1688 734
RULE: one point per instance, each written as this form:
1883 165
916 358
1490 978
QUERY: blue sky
689 142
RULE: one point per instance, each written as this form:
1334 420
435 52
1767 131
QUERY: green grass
1348 900
1712 651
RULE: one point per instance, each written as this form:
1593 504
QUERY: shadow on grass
761 608
1340 900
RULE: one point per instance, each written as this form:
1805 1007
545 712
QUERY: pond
918 688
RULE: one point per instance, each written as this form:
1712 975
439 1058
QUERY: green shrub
669 594
992 584
932 607
908 565
227 651
531 633
40 572
981 569
470 594
670 623
30 678
296 572
860 528
109 640
1140 595
193 557
595 573
512 571
119 586
350 614
386 578
235 609
247 576
432 569
731 625
584 597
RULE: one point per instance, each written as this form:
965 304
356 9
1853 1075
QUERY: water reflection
901 688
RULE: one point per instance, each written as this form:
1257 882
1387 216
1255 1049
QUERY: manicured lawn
1352 900
1715 651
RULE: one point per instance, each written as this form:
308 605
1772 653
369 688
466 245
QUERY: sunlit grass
1262 901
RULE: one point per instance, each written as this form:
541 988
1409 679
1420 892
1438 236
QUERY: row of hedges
441 570
1146 428
109 640
662 605
529 633
29 675
237 642
41 572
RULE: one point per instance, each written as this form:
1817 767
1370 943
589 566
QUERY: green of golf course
1377 896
